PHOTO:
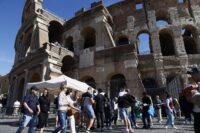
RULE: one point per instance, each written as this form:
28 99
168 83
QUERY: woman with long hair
44 102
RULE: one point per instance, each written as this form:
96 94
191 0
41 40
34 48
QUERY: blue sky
11 12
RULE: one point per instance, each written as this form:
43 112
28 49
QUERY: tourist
195 97
158 105
124 103
99 109
108 111
44 102
169 110
56 109
115 108
63 104
88 109
31 110
71 111
146 102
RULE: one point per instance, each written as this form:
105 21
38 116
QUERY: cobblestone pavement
10 126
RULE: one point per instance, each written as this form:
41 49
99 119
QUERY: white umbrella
56 82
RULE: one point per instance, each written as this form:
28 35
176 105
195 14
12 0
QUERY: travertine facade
101 45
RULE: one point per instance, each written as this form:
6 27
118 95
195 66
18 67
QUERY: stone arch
190 38
162 18
117 82
166 42
55 32
35 77
20 89
122 40
89 35
68 64
90 81
69 43
144 45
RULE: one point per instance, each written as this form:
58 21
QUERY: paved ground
10 126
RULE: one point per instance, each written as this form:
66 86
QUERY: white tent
56 82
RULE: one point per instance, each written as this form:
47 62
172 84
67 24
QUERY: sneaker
110 128
174 127
126 130
87 131
166 127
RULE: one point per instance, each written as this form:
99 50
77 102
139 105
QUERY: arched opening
149 83
189 37
20 90
90 81
169 79
68 64
166 42
55 32
144 43
69 43
162 18
160 23
89 35
123 40
117 82
35 78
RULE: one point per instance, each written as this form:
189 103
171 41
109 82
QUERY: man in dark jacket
31 110
146 100
99 108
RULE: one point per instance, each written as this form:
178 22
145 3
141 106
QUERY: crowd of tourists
94 109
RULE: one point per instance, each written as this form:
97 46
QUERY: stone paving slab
11 125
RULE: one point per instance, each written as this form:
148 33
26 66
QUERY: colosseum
103 46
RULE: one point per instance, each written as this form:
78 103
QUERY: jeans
170 118
27 119
146 116
62 118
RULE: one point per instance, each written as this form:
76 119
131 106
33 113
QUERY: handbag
71 112
151 111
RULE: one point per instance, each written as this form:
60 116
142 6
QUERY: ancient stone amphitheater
138 44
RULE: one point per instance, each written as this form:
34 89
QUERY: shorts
88 111
123 113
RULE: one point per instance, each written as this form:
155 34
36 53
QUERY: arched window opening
21 89
161 23
122 41
69 44
189 38
68 65
89 35
139 6
144 44
162 18
91 82
117 82
166 42
55 32
35 78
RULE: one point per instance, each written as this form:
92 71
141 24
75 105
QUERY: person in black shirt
146 100
44 102
99 108
31 110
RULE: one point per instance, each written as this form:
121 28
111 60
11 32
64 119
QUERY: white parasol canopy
56 82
